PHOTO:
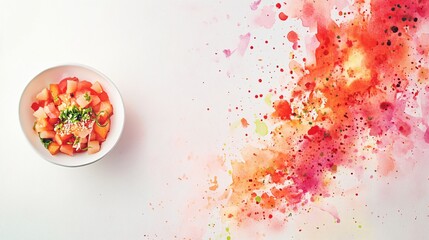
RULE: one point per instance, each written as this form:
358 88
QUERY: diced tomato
103 96
35 106
55 91
71 86
96 86
43 95
54 148
47 134
67 149
84 85
102 130
53 121
40 113
93 147
63 86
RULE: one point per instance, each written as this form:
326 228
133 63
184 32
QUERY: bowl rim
121 102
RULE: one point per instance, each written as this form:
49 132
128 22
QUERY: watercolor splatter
360 97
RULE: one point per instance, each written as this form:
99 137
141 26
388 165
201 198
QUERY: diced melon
47 134
54 148
40 113
97 87
83 100
42 124
71 86
93 147
43 95
55 91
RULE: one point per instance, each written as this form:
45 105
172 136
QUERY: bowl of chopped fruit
72 115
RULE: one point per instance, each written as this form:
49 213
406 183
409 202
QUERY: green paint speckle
267 99
261 128
258 199
228 238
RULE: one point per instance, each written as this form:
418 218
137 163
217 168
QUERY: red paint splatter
292 36
282 110
283 16
354 94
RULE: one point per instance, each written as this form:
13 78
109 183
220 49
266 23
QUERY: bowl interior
54 75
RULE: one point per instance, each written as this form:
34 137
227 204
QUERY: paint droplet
283 16
292 36
227 52
261 128
214 185
244 123
278 5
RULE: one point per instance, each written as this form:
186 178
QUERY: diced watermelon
67 149
36 106
95 100
83 85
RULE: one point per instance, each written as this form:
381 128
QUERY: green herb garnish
46 142
74 114
87 97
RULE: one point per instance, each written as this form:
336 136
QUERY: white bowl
54 75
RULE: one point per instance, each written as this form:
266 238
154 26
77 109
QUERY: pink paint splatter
227 52
266 18
255 4
243 44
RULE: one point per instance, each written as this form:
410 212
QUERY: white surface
160 54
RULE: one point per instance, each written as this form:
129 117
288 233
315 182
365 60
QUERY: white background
161 55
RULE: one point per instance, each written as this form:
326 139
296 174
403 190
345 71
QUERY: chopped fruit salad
72 116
